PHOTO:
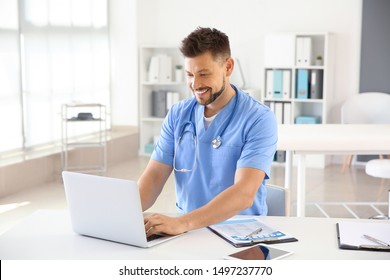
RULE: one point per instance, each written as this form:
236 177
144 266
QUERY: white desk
47 234
362 139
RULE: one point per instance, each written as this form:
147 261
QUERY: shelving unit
283 53
150 125
84 138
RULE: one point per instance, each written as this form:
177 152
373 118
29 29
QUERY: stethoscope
216 142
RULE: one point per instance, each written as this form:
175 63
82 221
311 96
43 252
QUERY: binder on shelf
154 70
306 51
316 83
280 156
303 51
159 103
160 69
299 51
269 84
279 112
287 113
286 84
272 106
278 83
302 84
172 98
162 102
276 109
165 68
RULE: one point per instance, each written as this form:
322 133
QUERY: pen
254 232
375 240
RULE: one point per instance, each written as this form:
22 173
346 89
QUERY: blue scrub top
248 141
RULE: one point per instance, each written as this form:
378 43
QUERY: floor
329 193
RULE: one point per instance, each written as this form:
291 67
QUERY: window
59 54
10 78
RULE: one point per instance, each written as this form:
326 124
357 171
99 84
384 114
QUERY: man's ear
229 66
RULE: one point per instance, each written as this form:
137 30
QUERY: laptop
107 208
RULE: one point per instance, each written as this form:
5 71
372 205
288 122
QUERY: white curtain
64 58
10 79
65 45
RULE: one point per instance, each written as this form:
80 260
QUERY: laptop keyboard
154 237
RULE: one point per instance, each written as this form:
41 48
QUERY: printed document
248 231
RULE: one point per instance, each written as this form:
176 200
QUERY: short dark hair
202 40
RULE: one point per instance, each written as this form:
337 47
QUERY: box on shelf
149 148
308 120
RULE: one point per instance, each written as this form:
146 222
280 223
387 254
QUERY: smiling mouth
200 92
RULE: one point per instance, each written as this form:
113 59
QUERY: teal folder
302 84
278 84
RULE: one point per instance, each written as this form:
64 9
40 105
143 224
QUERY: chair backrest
276 200
369 107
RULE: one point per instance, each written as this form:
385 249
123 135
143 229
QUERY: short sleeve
164 150
260 143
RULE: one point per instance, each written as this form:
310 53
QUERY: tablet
259 252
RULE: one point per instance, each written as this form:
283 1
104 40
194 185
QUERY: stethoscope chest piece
216 142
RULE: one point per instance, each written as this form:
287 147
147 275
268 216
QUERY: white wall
245 22
124 70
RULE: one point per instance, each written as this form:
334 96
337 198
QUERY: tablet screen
260 252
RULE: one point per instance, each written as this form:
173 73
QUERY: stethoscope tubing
217 142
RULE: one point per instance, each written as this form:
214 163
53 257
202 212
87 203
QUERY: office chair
365 108
276 200
380 168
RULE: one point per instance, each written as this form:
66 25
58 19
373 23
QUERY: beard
214 95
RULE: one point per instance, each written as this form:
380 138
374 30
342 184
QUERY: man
220 144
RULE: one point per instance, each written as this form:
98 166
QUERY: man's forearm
152 182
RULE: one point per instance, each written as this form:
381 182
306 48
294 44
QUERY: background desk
331 139
47 234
